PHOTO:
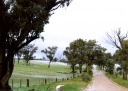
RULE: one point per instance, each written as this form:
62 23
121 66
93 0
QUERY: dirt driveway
102 83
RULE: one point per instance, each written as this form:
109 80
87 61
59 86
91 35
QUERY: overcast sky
86 19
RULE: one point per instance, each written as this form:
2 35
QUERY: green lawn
118 80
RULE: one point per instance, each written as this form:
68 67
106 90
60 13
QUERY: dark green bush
86 77
90 72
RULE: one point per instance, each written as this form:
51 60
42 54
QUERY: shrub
110 71
90 72
86 77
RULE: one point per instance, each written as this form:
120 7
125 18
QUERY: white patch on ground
36 76
47 62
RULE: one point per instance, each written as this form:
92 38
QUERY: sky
85 19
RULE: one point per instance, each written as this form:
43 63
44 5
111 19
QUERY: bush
90 72
86 77
110 71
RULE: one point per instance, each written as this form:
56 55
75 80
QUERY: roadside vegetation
118 80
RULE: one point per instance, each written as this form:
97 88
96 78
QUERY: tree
80 49
19 54
121 56
83 52
90 47
21 22
100 56
121 43
72 58
50 53
28 52
109 63
76 54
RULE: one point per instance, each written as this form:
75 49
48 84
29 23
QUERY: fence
18 83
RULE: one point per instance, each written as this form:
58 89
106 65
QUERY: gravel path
101 83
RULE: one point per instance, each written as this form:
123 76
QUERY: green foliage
118 80
28 52
50 53
90 70
21 22
86 77
110 66
84 52
120 41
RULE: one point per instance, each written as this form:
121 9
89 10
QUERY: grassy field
37 73
40 70
118 80
75 84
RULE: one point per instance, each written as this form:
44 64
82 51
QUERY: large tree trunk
6 69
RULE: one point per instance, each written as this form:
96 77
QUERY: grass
36 73
75 84
42 69
118 80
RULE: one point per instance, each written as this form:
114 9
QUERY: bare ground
101 83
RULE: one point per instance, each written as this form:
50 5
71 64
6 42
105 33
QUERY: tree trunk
49 64
124 75
73 70
80 68
18 60
6 69
27 62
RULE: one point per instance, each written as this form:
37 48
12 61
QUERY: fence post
45 81
20 82
12 83
67 79
56 79
27 82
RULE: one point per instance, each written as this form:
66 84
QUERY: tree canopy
50 54
84 52
120 41
28 52
21 22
